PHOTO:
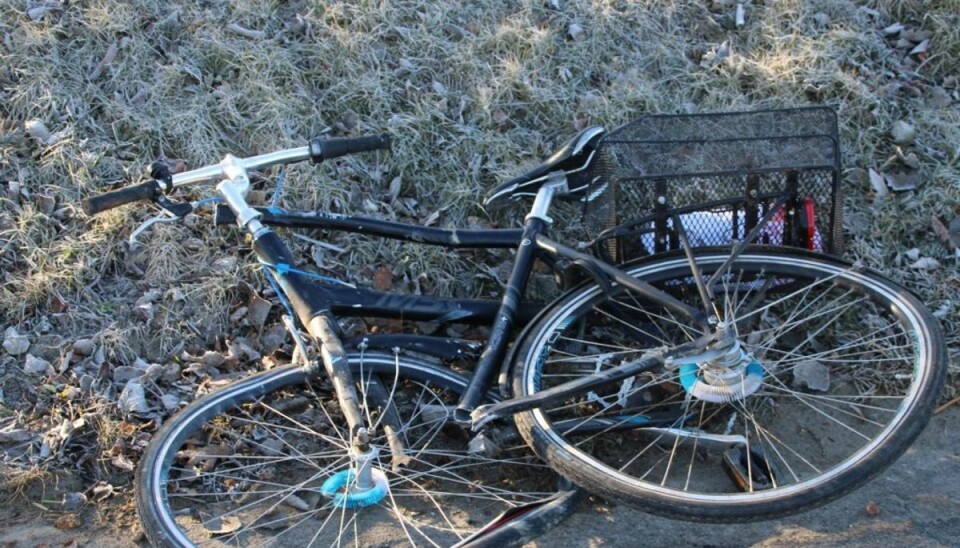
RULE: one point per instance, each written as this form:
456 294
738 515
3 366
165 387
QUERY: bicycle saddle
573 157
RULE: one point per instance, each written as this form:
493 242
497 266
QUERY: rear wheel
835 374
252 465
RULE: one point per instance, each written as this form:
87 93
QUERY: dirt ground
472 94
917 498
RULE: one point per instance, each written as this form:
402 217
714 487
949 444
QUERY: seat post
556 182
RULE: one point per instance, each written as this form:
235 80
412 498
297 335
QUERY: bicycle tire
254 488
787 416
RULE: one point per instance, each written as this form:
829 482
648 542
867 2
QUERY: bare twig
107 59
946 406
245 32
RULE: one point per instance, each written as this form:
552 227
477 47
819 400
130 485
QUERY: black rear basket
720 174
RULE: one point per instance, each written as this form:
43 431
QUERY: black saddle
574 158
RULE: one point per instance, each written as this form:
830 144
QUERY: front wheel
258 462
835 372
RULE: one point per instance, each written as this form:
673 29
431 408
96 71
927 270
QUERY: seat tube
492 356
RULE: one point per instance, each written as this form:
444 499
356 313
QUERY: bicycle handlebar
126 195
317 151
325 149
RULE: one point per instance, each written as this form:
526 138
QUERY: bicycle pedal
483 445
755 473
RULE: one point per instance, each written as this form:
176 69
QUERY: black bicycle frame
310 299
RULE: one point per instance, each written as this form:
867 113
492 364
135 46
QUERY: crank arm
486 413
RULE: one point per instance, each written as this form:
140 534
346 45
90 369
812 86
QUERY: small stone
86 382
133 399
73 502
37 366
124 374
873 510
576 32
83 347
903 132
14 343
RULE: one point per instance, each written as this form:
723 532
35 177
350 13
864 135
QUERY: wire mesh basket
719 175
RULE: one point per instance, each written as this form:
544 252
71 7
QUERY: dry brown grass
471 93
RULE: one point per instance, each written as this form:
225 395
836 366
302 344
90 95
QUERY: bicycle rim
247 465
839 374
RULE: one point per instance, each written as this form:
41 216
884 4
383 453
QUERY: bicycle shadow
917 499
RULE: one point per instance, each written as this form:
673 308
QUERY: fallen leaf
16 436
383 279
221 525
925 263
952 239
14 343
257 310
878 183
575 31
103 491
893 29
67 521
920 48
902 182
903 132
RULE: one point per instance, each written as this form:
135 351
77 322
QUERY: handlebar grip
126 195
325 149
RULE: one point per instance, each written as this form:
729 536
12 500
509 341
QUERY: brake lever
171 212
164 217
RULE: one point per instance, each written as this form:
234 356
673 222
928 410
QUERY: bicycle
730 383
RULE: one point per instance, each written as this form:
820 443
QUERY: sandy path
919 501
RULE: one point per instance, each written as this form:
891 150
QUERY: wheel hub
361 485
731 376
